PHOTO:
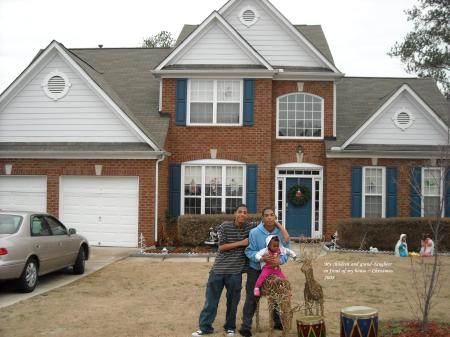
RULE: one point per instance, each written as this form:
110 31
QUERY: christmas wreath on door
299 195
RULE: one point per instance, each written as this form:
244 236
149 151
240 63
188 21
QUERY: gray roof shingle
124 74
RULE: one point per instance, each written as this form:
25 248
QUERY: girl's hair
275 238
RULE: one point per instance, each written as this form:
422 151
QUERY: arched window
299 115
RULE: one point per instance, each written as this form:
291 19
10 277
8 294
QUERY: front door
298 218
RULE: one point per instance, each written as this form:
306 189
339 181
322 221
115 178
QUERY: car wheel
78 267
28 280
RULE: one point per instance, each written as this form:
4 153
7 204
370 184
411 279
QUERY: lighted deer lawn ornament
310 251
279 296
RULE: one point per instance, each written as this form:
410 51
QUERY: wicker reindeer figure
310 250
313 290
279 295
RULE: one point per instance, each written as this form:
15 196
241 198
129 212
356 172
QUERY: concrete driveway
99 257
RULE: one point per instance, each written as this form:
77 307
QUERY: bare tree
426 270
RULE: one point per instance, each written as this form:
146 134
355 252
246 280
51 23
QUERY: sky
359 32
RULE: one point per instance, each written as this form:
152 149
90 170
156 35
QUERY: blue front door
298 218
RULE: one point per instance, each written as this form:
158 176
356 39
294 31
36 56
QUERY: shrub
193 230
384 233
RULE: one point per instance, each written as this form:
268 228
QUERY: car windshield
9 223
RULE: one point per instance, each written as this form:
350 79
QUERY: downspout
156 195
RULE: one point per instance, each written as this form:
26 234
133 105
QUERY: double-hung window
300 115
431 191
215 102
374 192
210 188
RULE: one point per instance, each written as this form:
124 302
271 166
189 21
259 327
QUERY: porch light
8 169
98 170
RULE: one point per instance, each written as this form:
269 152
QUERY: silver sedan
33 244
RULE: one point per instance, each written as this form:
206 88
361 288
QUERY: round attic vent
403 119
248 16
56 85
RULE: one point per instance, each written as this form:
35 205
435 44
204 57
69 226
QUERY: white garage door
24 193
104 209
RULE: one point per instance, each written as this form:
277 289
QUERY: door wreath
299 195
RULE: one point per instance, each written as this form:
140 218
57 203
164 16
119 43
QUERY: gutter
163 156
81 154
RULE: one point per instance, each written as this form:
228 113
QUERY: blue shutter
252 179
391 192
180 109
174 189
356 192
249 94
416 190
447 193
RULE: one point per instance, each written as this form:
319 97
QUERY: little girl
274 248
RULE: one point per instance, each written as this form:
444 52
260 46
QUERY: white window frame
213 162
422 189
322 131
214 102
383 190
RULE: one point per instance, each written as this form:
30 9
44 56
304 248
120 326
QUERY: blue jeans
214 287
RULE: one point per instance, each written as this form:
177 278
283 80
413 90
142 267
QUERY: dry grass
141 297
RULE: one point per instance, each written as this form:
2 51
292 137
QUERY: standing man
226 272
257 241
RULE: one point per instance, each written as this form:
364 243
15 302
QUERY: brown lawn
140 297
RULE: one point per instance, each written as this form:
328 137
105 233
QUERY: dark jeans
233 284
251 302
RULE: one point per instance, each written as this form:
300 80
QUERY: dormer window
248 16
56 85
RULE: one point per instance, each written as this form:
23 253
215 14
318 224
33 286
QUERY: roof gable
214 27
274 37
425 127
114 102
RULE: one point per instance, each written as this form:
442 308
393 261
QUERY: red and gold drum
359 321
311 326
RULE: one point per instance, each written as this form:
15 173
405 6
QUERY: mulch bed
412 329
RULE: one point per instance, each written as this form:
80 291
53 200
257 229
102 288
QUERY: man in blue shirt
257 241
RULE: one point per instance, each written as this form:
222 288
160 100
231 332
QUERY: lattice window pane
228 113
213 181
192 181
373 207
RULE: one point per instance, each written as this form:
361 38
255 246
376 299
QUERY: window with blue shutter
416 190
181 101
356 192
252 180
249 97
174 189
391 191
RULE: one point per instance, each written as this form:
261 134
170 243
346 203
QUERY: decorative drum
359 321
311 326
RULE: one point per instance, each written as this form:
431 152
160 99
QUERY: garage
26 193
104 209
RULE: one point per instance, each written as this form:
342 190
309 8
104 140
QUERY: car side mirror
72 231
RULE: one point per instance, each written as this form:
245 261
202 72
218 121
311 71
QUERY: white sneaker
230 333
201 333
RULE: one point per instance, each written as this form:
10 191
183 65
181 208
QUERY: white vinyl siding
104 209
215 46
432 179
212 188
23 193
374 192
423 131
271 38
217 102
80 116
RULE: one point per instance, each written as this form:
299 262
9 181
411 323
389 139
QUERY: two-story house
247 107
